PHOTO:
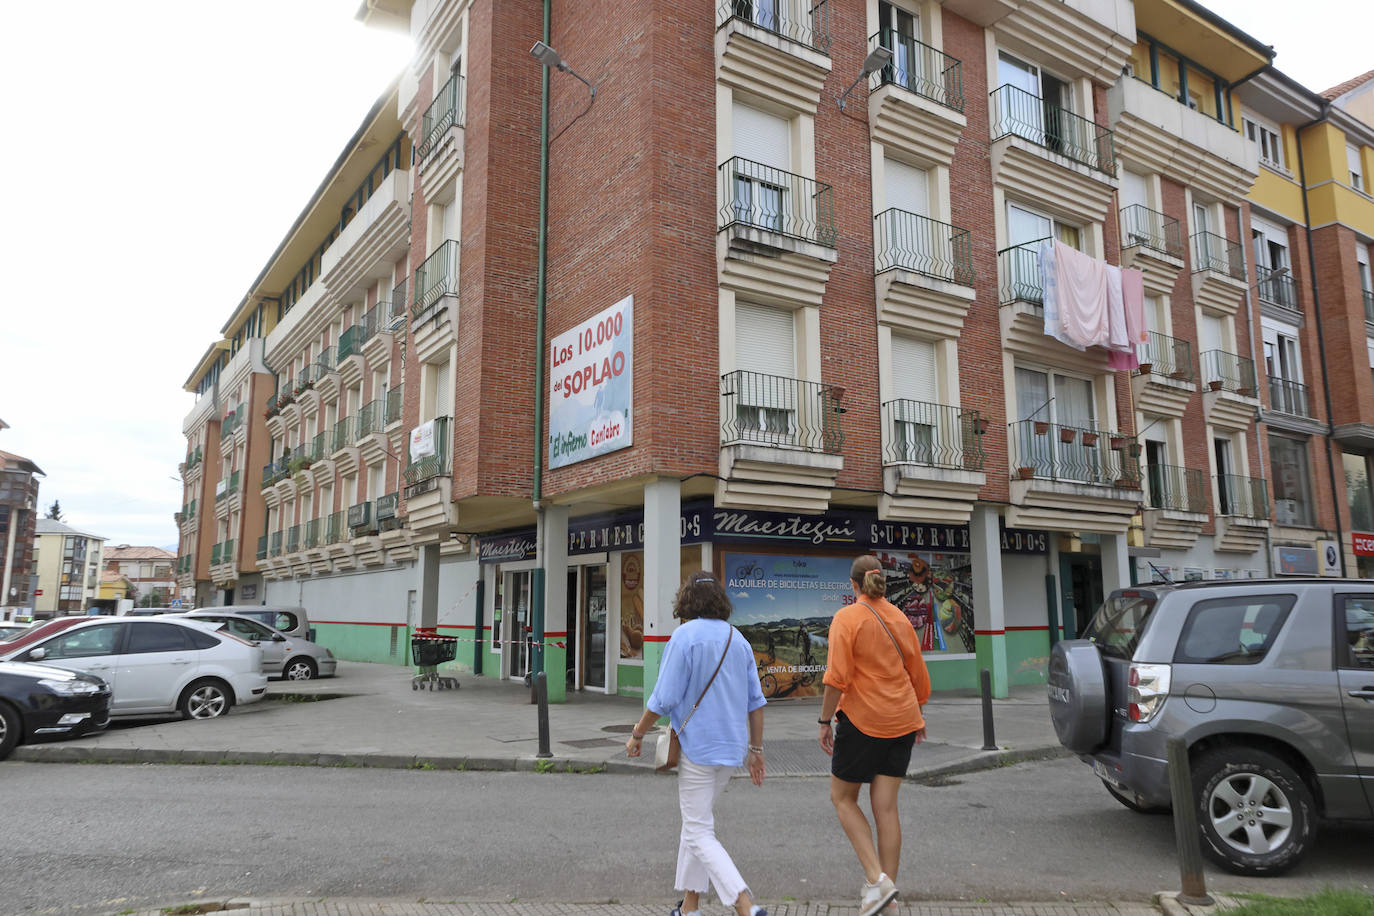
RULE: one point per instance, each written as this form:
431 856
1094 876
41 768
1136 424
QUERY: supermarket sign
1364 544
590 399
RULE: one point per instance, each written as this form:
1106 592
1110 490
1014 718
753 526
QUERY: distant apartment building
782 308
68 564
149 570
18 514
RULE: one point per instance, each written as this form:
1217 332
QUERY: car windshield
1118 624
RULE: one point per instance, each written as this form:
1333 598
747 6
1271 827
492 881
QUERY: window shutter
913 369
765 340
1133 190
1209 334
761 137
906 187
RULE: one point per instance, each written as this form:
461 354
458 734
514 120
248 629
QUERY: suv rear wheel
1256 814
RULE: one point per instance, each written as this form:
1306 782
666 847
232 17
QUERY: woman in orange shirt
876 681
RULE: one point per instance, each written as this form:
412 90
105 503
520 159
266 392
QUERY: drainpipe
1254 361
540 303
1321 339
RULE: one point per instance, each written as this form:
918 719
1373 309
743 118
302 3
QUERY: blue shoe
677 910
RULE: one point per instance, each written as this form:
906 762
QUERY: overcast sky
156 153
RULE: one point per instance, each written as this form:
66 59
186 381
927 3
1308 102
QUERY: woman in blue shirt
725 731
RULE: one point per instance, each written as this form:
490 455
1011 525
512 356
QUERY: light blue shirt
718 733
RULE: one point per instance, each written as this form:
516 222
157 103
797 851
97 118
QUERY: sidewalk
369 716
349 907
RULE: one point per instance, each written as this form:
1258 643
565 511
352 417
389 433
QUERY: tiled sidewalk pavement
344 907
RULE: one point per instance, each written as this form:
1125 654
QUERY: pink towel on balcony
1133 297
1049 294
1082 285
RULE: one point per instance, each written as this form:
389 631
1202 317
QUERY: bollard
1194 891
541 691
989 739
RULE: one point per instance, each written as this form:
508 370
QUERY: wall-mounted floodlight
876 60
551 59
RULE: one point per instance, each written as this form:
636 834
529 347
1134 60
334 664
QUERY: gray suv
1270 683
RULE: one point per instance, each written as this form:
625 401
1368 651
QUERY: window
155 637
1267 139
1067 404
1227 485
1292 499
1359 630
916 428
900 30
762 167
1358 492
1232 631
763 13
766 399
1352 157
84 642
1037 107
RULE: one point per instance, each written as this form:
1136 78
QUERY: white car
293 658
157 665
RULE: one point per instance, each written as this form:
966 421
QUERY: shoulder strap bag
668 748
895 645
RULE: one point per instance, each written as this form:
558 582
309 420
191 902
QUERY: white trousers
700 857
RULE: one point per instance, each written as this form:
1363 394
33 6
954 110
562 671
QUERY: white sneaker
877 896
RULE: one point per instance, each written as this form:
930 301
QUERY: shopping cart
429 650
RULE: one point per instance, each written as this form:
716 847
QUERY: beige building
148 569
68 563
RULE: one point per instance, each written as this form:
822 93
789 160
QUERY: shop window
1357 490
1292 481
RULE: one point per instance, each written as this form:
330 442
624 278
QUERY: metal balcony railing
334 527
395 399
193 457
801 21
770 199
1228 372
1015 112
376 320
1367 294
444 113
233 485
262 548
1150 229
293 539
1246 497
304 378
274 549
1072 453
1278 289
191 510
371 419
1176 488
778 411
318 447
1289 397
933 435
215 552
398 303
907 241
436 277
231 422
342 435
436 465
1215 252
386 506
1019 276
919 68
1171 357
325 362
312 533
350 341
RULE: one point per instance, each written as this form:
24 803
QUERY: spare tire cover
1078 695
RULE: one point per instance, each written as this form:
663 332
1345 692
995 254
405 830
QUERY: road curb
66 753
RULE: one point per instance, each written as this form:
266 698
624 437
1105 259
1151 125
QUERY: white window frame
1268 139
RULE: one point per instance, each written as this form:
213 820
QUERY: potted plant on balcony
1025 473
1214 384
1067 435
1089 439
1041 427
1117 443
1145 368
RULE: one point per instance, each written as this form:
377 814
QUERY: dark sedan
45 700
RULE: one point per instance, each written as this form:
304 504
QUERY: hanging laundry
1049 284
1133 298
1118 338
1082 298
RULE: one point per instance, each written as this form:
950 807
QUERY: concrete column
990 617
429 585
1116 565
553 549
662 570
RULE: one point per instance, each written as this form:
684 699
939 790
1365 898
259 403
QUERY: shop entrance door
593 627
516 623
1080 579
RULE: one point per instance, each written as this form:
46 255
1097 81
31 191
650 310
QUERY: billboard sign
590 400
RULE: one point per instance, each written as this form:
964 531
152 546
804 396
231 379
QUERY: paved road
93 838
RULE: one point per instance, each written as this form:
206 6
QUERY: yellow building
68 563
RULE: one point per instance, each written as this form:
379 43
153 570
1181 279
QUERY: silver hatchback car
290 657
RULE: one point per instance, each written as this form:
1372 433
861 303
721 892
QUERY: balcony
1153 244
230 422
325 373
391 528
428 487
367 248
293 539
434 313
439 153
1218 273
777 233
1175 506
395 401
432 465
1043 152
1278 295
312 534
275 547
1021 294
380 324
924 272
1290 408
1165 381
1069 478
776 48
1089 38
365 534
1242 513
781 440
933 461
343 451
1229 400
916 104
1154 129
215 552
350 356
369 432
262 548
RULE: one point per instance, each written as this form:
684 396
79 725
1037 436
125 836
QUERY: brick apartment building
18 517
782 304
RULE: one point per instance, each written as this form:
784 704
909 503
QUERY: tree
55 511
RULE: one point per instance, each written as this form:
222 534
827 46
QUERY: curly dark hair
701 596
